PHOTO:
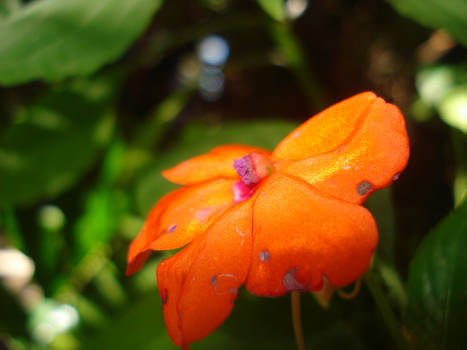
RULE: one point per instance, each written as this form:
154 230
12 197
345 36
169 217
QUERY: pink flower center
252 169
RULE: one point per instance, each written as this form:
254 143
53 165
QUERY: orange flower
276 222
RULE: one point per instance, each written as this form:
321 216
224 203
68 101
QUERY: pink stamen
251 168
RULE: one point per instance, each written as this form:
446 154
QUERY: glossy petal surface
217 163
301 235
199 285
327 130
180 216
370 159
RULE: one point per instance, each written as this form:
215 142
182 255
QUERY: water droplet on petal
240 232
224 283
264 256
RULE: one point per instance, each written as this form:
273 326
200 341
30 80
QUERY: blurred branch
152 130
287 42
384 306
393 282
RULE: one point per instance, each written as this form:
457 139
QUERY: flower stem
350 295
297 320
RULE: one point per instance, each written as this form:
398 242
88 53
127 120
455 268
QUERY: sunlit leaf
54 39
274 8
437 310
7 7
50 145
447 14
453 108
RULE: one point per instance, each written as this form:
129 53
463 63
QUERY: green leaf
453 108
54 39
103 205
141 326
450 15
198 138
437 310
50 145
7 7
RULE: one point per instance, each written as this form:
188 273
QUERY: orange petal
199 285
139 250
301 236
327 130
371 159
178 217
215 164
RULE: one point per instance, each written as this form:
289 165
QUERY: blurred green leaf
434 82
453 108
98 222
7 7
437 309
274 8
103 205
54 39
50 145
140 327
447 14
198 138
109 286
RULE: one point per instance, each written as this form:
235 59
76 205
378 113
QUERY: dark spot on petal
290 283
214 281
165 296
396 177
172 228
264 256
364 187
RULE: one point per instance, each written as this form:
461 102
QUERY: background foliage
97 97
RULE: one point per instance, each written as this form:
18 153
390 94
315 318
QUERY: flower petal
327 130
178 217
370 159
139 250
199 285
301 235
215 164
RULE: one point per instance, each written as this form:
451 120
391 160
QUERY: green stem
291 48
386 311
9 221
